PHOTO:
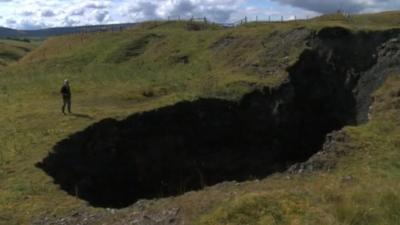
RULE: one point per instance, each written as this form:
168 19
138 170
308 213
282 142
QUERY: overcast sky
35 14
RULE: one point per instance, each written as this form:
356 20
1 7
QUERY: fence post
256 18
269 18
205 20
245 19
281 18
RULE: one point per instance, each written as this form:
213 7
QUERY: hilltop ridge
58 31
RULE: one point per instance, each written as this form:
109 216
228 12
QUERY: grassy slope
31 122
13 50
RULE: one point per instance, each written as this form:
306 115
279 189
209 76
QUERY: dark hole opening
190 145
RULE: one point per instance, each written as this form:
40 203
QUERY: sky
37 14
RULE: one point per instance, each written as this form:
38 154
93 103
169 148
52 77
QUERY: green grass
13 50
111 73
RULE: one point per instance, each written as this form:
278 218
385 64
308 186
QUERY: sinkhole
190 145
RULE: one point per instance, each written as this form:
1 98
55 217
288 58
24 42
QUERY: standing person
66 94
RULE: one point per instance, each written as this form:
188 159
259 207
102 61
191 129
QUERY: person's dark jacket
66 91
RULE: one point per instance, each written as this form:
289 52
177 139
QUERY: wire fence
242 21
255 19
205 20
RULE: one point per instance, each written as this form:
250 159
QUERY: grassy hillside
158 64
375 21
13 50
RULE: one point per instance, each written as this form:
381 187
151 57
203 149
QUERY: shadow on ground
83 116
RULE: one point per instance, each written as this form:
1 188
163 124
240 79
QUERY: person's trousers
66 103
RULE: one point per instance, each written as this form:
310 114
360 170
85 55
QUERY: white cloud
101 16
351 6
48 13
142 10
96 5
10 22
29 14
77 12
68 22
31 24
